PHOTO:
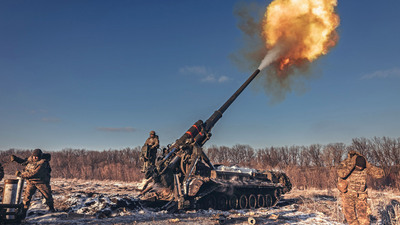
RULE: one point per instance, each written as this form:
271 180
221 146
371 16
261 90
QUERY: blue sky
102 74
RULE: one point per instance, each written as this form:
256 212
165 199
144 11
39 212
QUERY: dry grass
316 200
385 205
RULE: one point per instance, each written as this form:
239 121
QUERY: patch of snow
99 202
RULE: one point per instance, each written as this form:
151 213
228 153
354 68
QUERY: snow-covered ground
112 202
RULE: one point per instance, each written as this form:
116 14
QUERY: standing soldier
352 180
1 177
149 151
1 172
37 174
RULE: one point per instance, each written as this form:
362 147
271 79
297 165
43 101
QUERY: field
101 187
114 202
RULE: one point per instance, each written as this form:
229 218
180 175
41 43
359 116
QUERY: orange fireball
304 28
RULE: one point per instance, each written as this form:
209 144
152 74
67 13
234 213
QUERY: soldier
149 151
37 174
1 177
352 180
1 172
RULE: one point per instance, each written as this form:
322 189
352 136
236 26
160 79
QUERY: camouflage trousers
44 189
355 208
151 161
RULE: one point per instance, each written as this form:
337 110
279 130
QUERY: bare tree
333 154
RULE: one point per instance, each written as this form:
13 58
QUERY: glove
352 153
18 173
12 158
342 185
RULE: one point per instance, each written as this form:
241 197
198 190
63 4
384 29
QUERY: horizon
323 146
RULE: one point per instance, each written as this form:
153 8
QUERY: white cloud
223 79
116 129
209 78
204 74
382 74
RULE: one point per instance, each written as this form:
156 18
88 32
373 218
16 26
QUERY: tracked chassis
225 188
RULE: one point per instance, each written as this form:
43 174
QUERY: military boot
22 215
51 208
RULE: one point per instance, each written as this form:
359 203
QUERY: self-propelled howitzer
185 178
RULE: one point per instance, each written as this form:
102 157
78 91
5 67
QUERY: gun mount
184 177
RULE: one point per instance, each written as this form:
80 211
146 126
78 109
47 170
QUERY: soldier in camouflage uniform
37 174
1 177
149 151
353 172
1 172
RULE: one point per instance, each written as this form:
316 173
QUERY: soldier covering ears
352 183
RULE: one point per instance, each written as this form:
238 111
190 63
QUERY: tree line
123 164
311 166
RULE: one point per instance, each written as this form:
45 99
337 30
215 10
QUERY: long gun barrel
218 114
200 131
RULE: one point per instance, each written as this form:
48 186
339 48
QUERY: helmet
152 132
360 161
189 141
37 152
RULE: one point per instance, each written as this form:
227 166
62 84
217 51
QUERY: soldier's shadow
391 213
325 198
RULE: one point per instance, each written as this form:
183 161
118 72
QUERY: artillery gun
184 178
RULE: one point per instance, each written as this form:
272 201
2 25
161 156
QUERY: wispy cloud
50 120
116 129
382 74
204 74
223 79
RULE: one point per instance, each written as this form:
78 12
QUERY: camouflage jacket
36 171
153 142
1 172
355 181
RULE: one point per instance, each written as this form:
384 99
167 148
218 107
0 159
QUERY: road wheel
260 201
252 201
243 201
268 200
233 202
